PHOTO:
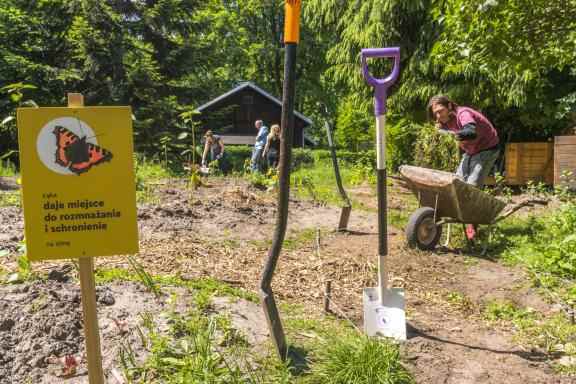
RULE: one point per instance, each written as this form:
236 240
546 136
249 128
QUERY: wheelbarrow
444 198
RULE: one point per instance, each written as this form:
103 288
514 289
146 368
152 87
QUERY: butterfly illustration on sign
75 153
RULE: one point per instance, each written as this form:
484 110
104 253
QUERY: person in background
476 136
215 145
272 148
256 163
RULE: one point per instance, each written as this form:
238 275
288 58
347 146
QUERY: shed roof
256 88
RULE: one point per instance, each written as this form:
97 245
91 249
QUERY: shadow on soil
527 355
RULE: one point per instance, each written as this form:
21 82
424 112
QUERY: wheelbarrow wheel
421 231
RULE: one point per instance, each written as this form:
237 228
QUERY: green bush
354 127
546 246
237 155
364 158
401 138
302 157
552 248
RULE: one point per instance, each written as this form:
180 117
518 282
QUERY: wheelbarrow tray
451 197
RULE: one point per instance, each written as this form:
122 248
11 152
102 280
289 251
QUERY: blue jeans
474 169
256 161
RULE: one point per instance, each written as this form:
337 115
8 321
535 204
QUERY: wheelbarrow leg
487 241
447 242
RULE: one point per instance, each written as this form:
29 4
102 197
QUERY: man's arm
468 132
468 123
443 130
221 142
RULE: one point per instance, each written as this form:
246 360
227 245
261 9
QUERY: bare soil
224 231
41 325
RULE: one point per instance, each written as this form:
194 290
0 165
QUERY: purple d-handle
381 85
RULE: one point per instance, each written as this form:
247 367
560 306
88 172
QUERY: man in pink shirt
476 137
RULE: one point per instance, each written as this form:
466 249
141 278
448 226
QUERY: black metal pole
382 213
287 138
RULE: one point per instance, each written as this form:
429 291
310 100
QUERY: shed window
248 99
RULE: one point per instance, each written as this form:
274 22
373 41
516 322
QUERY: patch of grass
398 218
546 246
207 285
260 244
24 266
319 182
24 270
39 303
338 353
230 243
553 335
201 347
147 170
191 353
300 239
110 275
358 359
459 301
7 168
496 311
294 241
470 261
145 278
262 181
148 174
203 300
10 199
147 196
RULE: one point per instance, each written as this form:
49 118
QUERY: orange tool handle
292 21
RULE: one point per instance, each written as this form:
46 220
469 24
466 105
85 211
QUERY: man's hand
447 132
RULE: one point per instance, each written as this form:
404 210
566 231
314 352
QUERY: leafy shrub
302 157
355 128
551 249
401 137
236 156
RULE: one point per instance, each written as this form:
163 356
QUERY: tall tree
482 52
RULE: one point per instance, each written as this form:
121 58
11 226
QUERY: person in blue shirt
256 161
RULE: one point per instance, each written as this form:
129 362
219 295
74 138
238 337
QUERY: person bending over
476 137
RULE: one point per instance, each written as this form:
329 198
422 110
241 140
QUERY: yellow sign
78 184
292 22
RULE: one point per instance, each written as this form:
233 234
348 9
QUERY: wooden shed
565 161
529 162
232 115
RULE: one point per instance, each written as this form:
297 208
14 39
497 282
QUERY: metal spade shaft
345 214
291 39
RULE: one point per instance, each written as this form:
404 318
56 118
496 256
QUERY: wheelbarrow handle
381 85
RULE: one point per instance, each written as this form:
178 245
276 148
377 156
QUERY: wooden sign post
78 192
88 288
